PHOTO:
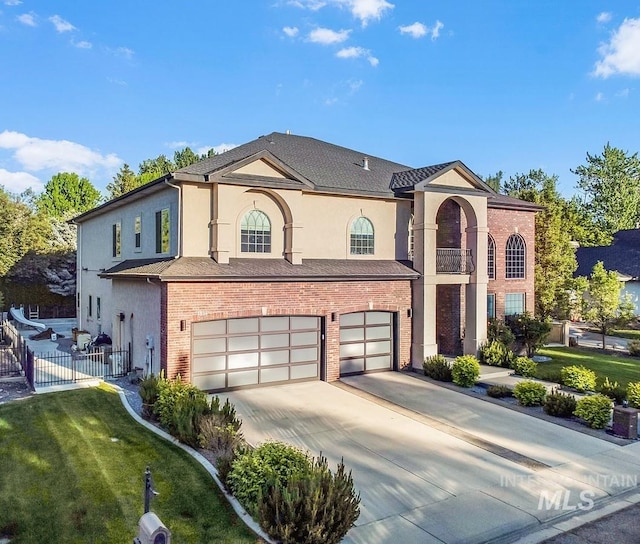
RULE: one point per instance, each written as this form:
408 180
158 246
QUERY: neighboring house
623 256
289 258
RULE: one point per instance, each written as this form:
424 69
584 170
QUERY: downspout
179 228
78 301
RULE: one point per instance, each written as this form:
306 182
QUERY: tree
123 182
184 158
601 302
611 185
529 332
67 194
158 166
495 181
555 253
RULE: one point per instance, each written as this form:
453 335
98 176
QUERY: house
290 258
623 256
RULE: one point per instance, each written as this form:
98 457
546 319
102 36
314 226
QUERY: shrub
179 408
149 390
613 390
595 410
500 331
634 347
495 354
559 404
499 391
530 393
437 368
579 378
529 331
317 508
465 370
270 464
633 394
523 366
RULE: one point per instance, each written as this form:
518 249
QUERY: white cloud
621 55
125 52
435 31
367 10
623 93
115 81
35 154
364 10
604 17
599 97
180 144
17 182
326 36
83 44
61 25
291 31
28 19
357 52
12 2
220 148
416 30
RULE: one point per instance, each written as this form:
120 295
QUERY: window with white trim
491 258
515 253
255 233
514 303
362 237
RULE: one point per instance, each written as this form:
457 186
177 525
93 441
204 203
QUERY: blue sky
509 85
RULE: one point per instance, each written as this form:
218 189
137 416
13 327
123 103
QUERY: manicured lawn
631 334
73 470
616 368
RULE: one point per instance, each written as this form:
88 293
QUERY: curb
237 507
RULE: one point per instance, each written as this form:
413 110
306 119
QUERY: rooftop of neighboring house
622 255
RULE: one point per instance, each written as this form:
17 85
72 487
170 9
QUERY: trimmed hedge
579 378
530 393
465 370
523 366
633 394
595 410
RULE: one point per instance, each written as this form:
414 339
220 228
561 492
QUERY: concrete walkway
434 465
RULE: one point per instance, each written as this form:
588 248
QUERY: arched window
515 257
491 258
410 243
362 237
255 233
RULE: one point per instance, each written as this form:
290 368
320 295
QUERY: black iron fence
59 368
453 261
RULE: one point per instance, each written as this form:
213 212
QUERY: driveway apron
434 465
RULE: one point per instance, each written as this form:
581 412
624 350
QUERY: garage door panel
239 379
279 374
366 342
256 350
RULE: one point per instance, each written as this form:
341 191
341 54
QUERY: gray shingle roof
623 255
206 269
410 178
328 166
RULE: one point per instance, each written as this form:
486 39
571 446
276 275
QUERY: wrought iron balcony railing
451 260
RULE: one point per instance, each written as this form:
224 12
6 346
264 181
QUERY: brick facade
502 224
200 301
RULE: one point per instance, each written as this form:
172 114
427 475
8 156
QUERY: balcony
451 260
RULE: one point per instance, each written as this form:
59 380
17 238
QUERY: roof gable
448 175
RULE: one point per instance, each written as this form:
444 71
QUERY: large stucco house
289 258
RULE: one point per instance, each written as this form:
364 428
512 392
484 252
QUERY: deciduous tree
67 194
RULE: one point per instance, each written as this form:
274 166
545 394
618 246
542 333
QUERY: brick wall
502 224
199 301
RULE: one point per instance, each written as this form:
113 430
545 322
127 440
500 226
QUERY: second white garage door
231 353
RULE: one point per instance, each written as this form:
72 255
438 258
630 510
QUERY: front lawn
73 471
618 368
630 334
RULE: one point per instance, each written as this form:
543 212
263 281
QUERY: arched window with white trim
515 257
362 237
255 233
491 257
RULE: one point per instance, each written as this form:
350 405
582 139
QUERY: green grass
73 467
630 334
616 367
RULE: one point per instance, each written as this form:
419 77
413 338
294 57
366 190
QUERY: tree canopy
555 254
67 194
611 186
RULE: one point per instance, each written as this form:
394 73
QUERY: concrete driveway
434 465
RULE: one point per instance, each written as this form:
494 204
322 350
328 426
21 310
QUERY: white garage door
230 353
366 342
